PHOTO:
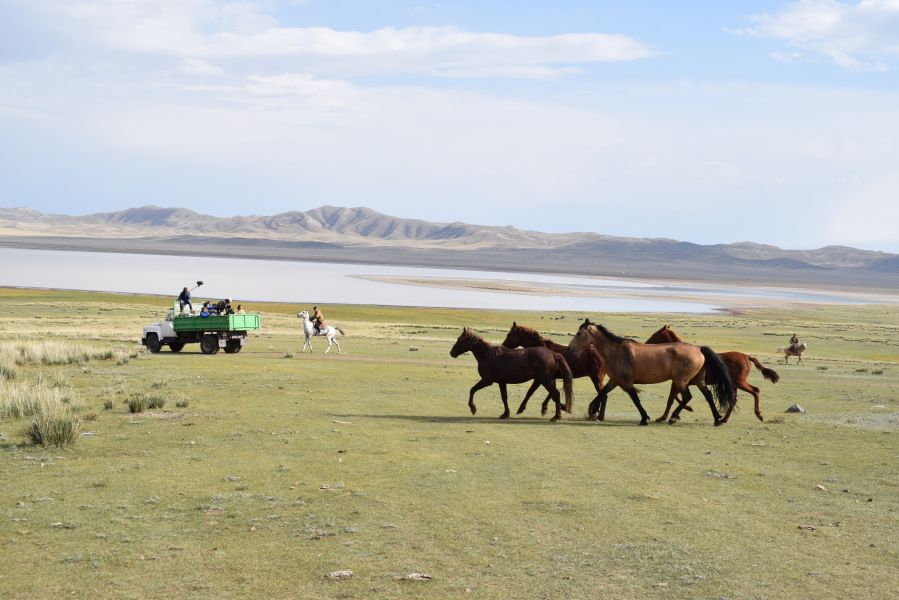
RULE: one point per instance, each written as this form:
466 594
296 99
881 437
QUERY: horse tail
340 330
564 371
718 377
769 374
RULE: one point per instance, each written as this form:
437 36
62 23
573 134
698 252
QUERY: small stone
344 574
795 408
415 576
821 487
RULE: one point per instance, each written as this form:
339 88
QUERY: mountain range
338 234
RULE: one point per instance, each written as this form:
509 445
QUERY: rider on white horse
318 319
310 330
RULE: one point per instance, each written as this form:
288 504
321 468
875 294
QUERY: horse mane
602 329
527 330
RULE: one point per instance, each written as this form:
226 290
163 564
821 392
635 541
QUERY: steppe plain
279 469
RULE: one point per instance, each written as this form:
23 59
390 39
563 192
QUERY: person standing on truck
318 319
184 299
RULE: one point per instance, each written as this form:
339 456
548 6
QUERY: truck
212 333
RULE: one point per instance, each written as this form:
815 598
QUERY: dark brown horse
501 365
630 363
583 363
738 365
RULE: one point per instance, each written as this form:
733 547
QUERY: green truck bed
235 322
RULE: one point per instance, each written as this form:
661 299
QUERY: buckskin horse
585 362
500 365
630 363
738 365
793 350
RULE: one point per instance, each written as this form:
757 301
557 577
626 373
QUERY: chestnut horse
630 363
501 365
583 363
737 364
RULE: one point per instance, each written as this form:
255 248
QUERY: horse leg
329 344
336 343
632 392
478 386
708 396
748 387
799 362
682 404
545 406
550 386
524 403
598 406
308 344
505 396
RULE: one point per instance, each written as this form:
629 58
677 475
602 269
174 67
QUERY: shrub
182 403
137 403
25 399
57 427
288 355
155 401
107 404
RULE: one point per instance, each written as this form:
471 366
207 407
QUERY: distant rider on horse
318 319
794 341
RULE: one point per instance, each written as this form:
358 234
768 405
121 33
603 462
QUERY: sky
706 121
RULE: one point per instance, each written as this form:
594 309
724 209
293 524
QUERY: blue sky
775 122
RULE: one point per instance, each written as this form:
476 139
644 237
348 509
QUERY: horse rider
318 319
794 341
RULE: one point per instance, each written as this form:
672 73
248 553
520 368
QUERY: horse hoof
660 419
718 422
644 422
761 418
543 411
504 416
554 419
473 410
519 411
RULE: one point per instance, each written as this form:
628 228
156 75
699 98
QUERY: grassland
267 470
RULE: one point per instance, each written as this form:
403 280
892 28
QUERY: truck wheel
152 343
232 346
209 344
176 346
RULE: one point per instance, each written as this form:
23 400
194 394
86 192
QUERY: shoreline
396 256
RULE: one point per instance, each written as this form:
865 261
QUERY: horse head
519 335
464 343
303 314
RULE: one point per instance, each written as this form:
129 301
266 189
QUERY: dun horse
501 365
793 350
630 363
583 363
738 365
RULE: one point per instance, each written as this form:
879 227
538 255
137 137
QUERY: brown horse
794 349
630 363
738 365
501 365
583 363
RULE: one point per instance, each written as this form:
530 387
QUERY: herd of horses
597 353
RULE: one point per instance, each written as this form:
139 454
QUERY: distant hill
330 233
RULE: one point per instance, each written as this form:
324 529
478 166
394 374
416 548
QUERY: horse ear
514 324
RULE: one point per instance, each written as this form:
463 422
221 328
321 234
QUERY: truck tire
152 342
232 346
209 344
176 346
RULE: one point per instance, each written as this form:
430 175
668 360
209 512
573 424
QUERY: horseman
794 341
318 319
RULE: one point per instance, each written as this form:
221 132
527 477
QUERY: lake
248 280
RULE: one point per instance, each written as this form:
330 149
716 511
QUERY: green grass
264 472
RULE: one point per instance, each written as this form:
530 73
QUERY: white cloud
222 31
198 66
858 36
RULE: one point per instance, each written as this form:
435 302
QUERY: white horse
793 350
329 332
